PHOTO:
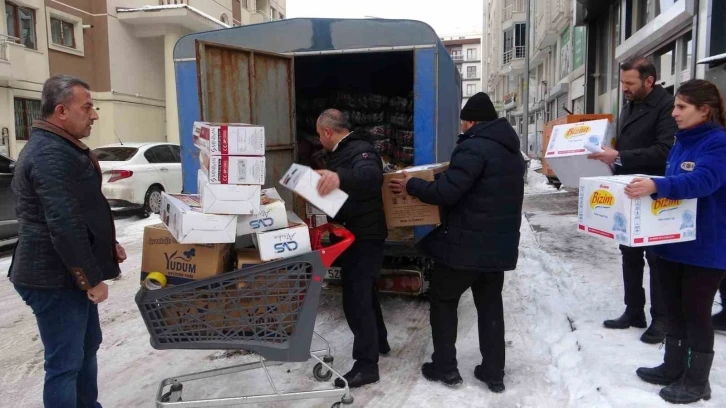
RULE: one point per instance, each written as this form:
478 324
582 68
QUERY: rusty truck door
238 85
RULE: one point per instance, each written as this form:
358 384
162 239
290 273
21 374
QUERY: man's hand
329 181
98 294
607 156
120 253
398 185
640 187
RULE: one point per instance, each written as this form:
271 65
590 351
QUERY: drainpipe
525 96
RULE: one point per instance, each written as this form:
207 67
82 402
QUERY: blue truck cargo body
248 74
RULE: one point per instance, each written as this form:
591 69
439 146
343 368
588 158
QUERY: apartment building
466 51
123 48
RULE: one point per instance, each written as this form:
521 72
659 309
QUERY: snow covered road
558 354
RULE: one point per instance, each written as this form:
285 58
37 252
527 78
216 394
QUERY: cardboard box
271 216
232 169
236 139
567 155
181 263
605 211
183 216
405 210
271 193
312 210
227 198
284 243
247 257
304 181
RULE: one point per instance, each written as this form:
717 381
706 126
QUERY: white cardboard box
232 169
271 193
236 139
304 181
183 216
605 211
284 243
567 155
227 198
272 216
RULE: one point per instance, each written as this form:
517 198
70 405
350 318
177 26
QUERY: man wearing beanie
480 197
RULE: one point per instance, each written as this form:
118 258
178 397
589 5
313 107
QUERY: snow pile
536 181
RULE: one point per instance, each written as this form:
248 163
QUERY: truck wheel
152 202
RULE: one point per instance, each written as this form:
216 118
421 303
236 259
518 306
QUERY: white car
135 174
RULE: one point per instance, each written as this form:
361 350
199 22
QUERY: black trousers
447 286
633 266
689 291
360 269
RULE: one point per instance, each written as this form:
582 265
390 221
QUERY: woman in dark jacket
691 271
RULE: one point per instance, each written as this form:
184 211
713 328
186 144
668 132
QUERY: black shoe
496 386
719 320
628 319
694 385
655 334
451 379
673 367
359 376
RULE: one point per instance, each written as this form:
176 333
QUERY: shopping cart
268 309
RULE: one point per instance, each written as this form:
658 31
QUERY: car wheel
152 202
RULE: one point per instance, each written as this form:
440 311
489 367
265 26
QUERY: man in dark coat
66 241
645 136
354 166
480 197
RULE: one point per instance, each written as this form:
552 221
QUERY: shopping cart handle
331 253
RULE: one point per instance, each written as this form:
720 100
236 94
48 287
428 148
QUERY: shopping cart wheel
174 394
321 373
348 400
328 360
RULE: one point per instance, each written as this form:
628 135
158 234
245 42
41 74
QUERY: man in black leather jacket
480 197
354 166
66 241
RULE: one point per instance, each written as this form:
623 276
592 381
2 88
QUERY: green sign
578 48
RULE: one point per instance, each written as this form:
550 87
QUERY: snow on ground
536 181
558 353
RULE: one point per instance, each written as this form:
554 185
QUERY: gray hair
334 119
58 90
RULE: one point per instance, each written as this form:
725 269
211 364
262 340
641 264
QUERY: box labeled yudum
605 211
284 243
303 180
567 153
236 139
232 169
405 210
182 214
272 216
234 199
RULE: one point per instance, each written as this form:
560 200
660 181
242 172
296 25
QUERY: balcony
513 60
561 15
457 58
513 11
152 21
12 59
545 32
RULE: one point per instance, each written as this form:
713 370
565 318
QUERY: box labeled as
405 210
234 199
567 155
303 181
247 257
284 243
236 139
271 216
232 169
181 263
182 214
605 211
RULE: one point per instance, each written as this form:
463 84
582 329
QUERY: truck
261 73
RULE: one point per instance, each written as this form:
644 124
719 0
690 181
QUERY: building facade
466 51
123 48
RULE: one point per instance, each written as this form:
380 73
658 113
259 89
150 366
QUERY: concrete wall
137 64
127 118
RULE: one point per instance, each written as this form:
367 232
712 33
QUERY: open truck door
238 85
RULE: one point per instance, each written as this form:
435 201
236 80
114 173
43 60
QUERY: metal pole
525 96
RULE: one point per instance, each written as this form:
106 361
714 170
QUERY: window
471 72
160 154
62 32
176 151
115 153
470 89
471 54
224 19
246 4
273 13
21 24
26 110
